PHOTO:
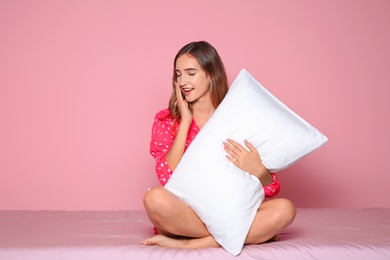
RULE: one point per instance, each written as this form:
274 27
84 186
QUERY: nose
182 80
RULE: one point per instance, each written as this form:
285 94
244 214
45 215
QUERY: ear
209 78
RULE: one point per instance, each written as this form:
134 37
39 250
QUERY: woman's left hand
248 161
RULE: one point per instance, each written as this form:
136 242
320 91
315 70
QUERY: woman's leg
177 224
272 217
191 243
174 219
171 216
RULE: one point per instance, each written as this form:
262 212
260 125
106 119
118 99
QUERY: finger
250 146
235 144
178 92
231 159
230 149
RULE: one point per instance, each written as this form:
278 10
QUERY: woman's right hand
178 146
185 112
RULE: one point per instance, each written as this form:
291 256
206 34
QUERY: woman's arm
166 148
250 162
178 146
269 181
272 189
161 143
264 175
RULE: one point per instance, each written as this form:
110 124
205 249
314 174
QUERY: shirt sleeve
160 143
273 189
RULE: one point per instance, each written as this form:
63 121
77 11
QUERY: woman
199 86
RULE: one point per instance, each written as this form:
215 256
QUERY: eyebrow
186 69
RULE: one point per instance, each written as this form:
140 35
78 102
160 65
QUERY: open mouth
187 90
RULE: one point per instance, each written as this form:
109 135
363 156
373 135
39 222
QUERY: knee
153 198
156 201
285 213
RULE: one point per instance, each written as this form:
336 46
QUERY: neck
202 114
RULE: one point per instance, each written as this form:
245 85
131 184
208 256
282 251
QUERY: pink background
80 83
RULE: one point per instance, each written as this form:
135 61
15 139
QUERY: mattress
315 234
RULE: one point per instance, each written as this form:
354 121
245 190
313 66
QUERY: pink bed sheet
315 234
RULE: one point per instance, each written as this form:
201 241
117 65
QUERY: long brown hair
211 63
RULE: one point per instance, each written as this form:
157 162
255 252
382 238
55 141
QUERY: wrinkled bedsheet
315 234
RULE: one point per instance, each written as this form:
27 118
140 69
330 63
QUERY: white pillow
224 197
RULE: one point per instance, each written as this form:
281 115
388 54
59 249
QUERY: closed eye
190 72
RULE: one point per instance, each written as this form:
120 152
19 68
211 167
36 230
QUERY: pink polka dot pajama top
161 142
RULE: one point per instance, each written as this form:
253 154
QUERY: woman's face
193 81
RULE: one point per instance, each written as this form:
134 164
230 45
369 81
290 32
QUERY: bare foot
164 241
192 243
273 239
